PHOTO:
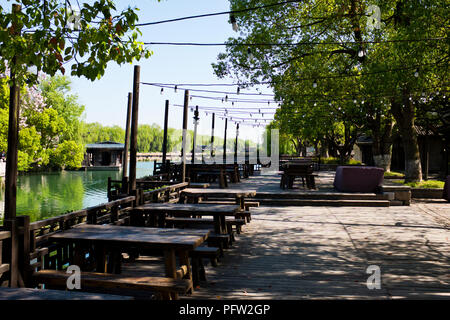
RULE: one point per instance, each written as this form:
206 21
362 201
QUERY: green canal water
45 195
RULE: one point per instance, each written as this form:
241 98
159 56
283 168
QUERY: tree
67 155
346 59
56 91
41 34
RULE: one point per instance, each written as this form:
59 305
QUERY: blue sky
105 99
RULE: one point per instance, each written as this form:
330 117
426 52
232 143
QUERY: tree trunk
404 114
382 142
324 149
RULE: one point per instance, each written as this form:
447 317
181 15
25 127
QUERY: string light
175 89
250 54
234 23
315 84
162 91
416 73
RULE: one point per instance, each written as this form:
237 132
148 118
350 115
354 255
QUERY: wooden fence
5 237
37 252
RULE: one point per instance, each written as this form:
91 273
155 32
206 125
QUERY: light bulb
416 74
361 53
162 90
234 23
315 84
250 54
226 98
238 90
176 87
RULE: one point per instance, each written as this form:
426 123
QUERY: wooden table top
162 238
209 209
218 192
37 294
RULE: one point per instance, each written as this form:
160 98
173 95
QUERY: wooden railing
38 252
169 193
5 236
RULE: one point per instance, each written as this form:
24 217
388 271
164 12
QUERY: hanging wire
216 13
294 44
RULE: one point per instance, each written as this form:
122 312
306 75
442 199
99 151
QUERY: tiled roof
106 145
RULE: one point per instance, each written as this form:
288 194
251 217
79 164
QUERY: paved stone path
323 252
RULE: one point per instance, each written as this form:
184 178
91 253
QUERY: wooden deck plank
323 253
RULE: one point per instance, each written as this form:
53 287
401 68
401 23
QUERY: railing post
125 187
24 248
12 252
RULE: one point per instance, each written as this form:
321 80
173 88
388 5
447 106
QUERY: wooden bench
105 282
197 256
204 222
221 241
199 185
247 204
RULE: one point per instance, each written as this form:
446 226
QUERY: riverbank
43 195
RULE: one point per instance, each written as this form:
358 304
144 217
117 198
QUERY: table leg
100 257
171 267
184 260
217 225
78 258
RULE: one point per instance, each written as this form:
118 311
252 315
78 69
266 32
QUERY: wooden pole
236 143
10 221
225 142
134 128
127 137
212 135
183 148
166 122
426 147
196 118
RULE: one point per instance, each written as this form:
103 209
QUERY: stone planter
420 193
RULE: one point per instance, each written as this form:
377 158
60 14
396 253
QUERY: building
432 150
104 155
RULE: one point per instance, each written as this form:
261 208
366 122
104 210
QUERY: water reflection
44 195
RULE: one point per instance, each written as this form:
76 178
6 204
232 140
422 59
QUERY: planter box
428 193
358 179
401 193
446 193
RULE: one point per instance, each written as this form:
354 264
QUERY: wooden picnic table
105 237
38 294
291 170
194 195
158 212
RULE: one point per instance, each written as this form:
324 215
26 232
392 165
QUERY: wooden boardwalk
323 253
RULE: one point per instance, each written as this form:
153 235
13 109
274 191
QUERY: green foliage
49 124
333 160
56 91
42 35
393 174
95 132
68 155
149 138
361 74
44 132
425 184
